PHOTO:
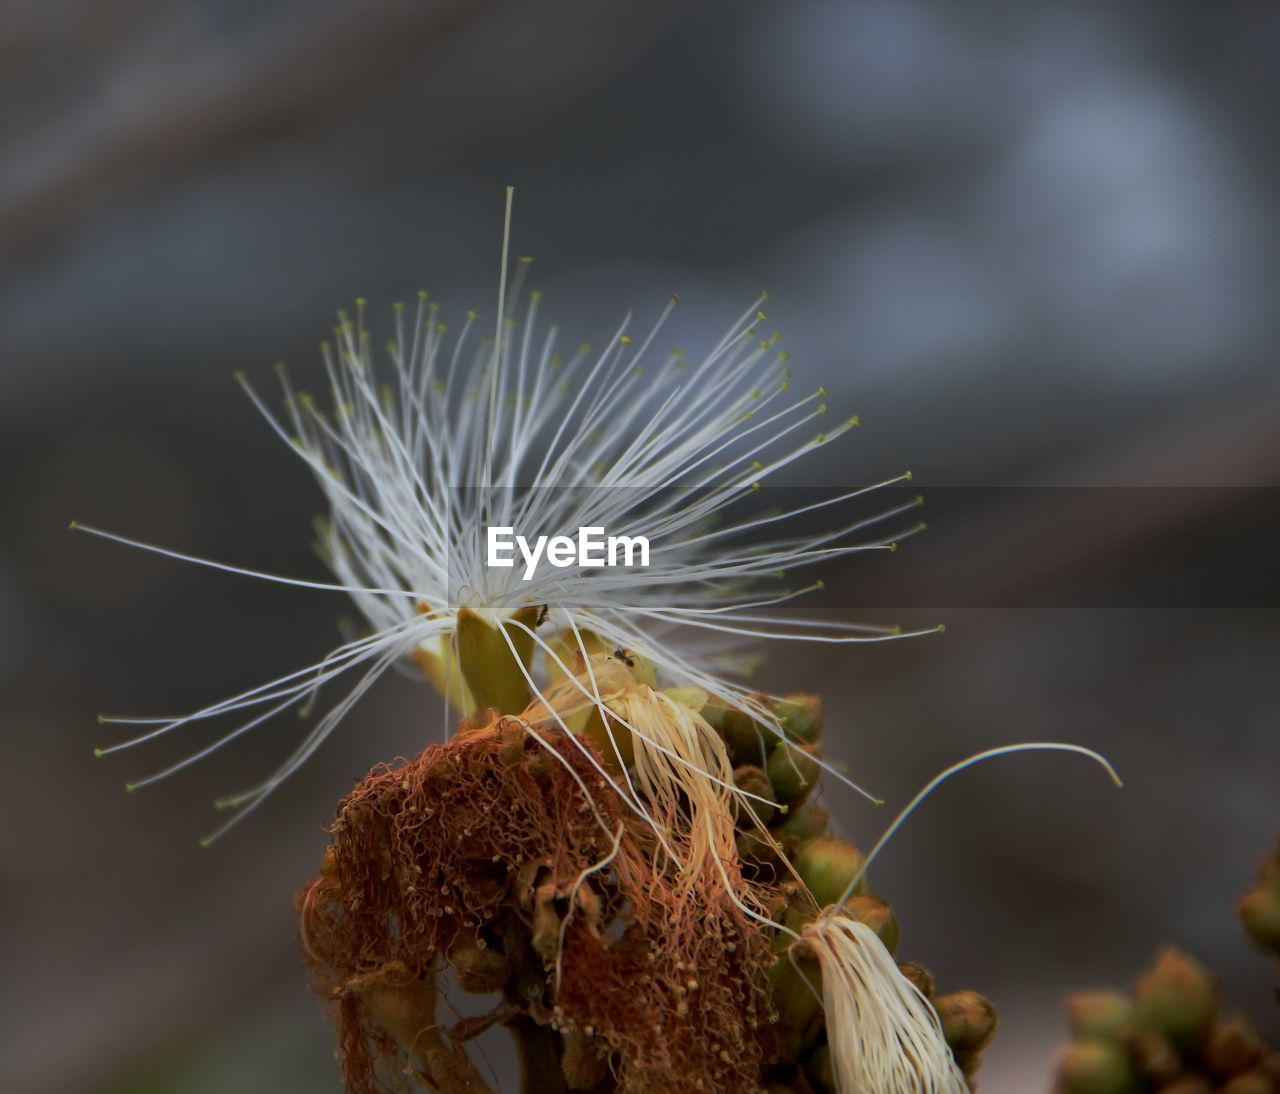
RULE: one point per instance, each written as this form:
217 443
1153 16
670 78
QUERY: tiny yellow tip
675 298
822 391
238 375
129 788
764 294
755 486
73 525
822 408
893 546
918 500
855 421
761 315
102 719
922 527
819 585
473 314
206 842
908 476
361 302
625 340
422 294
942 628
756 465
99 752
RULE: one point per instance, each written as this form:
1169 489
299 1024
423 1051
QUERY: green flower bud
793 771
746 741
1098 1015
801 717
968 1020
1260 909
796 981
827 865
753 781
1097 1067
801 823
1178 998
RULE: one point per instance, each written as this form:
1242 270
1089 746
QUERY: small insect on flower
449 435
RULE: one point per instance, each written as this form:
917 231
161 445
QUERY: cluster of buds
1171 1037
813 870
503 862
1259 909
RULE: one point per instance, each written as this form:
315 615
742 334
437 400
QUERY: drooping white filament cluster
450 433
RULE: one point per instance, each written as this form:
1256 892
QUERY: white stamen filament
883 1033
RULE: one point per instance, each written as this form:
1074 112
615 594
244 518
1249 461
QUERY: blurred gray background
1033 244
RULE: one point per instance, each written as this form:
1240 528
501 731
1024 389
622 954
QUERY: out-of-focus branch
164 111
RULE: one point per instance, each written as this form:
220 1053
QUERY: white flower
451 436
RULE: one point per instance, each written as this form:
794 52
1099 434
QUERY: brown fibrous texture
506 858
